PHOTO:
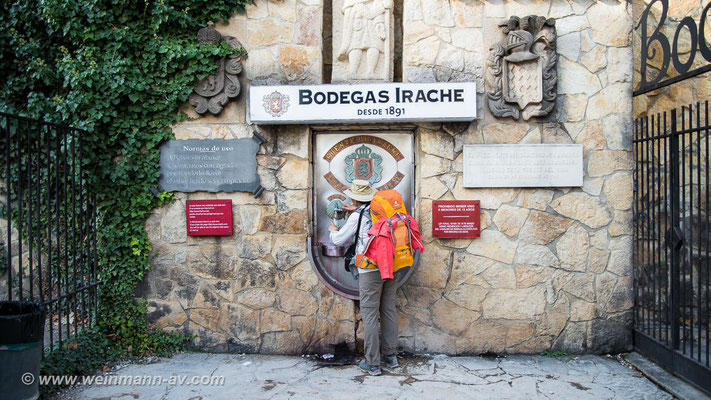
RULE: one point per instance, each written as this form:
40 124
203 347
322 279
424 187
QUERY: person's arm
346 232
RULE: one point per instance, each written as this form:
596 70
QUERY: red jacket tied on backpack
381 248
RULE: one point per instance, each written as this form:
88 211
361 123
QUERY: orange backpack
388 204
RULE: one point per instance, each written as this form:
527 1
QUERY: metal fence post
675 235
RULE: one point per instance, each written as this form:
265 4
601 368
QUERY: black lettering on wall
656 43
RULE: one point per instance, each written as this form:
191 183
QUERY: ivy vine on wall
119 69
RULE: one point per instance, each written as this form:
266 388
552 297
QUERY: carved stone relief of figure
365 49
521 70
214 91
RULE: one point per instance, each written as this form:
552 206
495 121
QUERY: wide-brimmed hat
360 190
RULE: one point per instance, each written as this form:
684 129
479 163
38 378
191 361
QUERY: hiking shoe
390 362
371 369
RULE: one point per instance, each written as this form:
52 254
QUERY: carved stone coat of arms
521 70
214 91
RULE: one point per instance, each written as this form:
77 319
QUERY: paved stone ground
437 377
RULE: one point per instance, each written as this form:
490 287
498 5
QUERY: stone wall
552 269
553 266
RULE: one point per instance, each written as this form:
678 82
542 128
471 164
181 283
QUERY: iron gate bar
691 237
647 234
38 205
650 228
94 264
50 215
81 237
72 293
19 222
649 248
656 256
673 80
9 210
645 231
708 234
65 192
659 229
666 229
59 234
657 259
688 251
74 231
682 219
674 194
698 246
29 204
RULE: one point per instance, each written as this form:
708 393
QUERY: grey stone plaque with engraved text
209 165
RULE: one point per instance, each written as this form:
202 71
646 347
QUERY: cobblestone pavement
418 377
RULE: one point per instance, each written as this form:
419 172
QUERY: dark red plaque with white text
209 217
455 219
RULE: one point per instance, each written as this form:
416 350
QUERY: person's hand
349 207
332 227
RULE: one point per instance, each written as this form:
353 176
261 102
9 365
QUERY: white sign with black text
523 165
381 102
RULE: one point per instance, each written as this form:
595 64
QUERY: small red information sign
209 217
455 219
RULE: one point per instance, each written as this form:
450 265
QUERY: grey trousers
377 298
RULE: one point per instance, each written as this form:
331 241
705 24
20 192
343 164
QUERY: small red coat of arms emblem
363 168
276 104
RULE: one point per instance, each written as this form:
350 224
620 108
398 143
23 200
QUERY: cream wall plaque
523 165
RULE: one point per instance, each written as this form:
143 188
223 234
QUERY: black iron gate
48 224
671 241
